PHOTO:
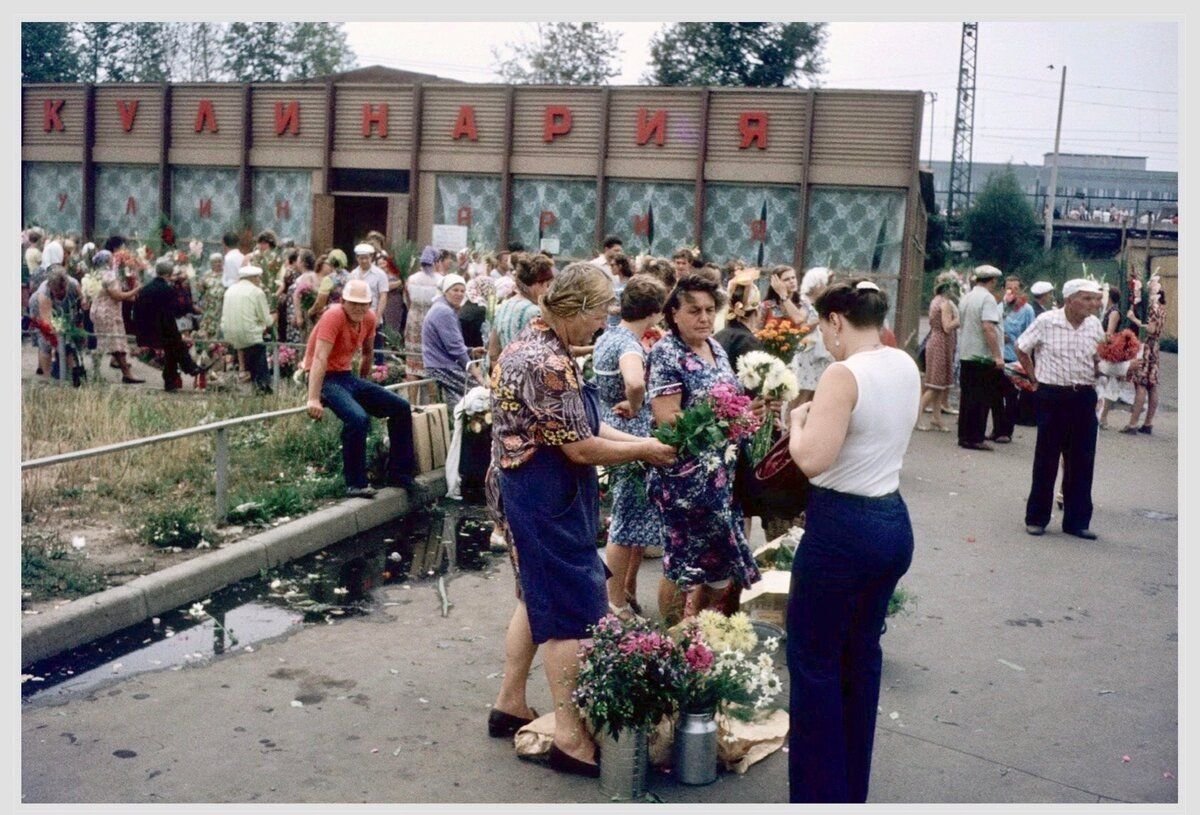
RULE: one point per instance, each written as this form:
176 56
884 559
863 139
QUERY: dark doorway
354 216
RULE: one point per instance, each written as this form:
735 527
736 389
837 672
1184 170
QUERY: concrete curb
98 615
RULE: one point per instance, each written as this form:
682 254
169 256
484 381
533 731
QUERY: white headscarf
52 255
815 278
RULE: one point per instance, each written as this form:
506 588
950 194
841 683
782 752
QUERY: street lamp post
932 107
1049 214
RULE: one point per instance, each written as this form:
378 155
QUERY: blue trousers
854 551
354 401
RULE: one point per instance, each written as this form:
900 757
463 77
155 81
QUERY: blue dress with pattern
704 540
635 521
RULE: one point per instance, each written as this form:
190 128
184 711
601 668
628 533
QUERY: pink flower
699 657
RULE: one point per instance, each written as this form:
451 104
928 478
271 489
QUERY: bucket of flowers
1117 352
781 337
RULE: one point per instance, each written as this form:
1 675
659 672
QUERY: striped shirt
1064 355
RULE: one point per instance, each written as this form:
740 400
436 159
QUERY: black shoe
1086 534
1147 429
975 445
503 725
1002 439
78 376
360 492
563 763
1034 529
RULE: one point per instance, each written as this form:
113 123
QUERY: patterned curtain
555 208
52 195
651 217
473 201
756 224
283 204
855 231
204 203
126 200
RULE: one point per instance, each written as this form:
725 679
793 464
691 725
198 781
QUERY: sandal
623 613
632 602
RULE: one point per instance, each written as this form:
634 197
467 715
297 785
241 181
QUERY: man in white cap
1043 297
245 315
1059 353
344 328
377 282
981 358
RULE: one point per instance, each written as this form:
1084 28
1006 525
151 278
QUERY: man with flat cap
1059 353
1042 297
981 359
377 282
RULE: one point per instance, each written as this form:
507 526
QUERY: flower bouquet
651 336
722 418
1017 375
288 358
721 671
1117 352
781 337
387 374
270 263
768 376
477 410
91 285
72 333
128 264
629 675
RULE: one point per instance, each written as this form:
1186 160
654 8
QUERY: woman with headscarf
546 442
811 359
533 275
939 350
443 353
742 317
106 315
423 286
474 311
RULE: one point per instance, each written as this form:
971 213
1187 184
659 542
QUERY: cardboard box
422 444
767 599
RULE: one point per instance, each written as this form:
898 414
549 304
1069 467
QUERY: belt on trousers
1066 388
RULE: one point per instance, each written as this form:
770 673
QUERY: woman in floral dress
212 297
619 361
705 546
1145 379
106 316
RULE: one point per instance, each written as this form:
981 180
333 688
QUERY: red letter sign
372 117
652 128
546 219
464 125
641 225
283 209
287 119
205 207
62 201
131 206
51 108
128 112
464 216
206 117
753 126
556 123
758 230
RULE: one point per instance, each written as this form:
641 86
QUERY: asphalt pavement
1027 669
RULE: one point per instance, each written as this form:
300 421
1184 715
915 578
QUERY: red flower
1120 347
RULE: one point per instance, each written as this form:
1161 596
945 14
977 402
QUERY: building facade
802 177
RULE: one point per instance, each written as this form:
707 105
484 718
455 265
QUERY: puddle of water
322 588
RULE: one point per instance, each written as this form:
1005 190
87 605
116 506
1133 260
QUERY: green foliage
255 52
317 49
564 54
50 569
48 53
405 255
1001 226
899 601
936 246
762 55
173 525
695 431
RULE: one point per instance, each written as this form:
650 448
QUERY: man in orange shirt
343 329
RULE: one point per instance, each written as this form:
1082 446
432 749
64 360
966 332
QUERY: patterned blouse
536 397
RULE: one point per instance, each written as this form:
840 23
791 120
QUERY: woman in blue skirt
547 438
858 541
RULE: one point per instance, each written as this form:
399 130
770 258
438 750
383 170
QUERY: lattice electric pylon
964 123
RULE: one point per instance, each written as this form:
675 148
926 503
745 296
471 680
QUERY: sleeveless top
881 424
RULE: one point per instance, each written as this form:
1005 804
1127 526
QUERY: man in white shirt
612 246
233 259
377 282
1058 351
981 358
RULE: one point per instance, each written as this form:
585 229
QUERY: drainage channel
428 546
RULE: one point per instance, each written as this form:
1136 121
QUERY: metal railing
221 429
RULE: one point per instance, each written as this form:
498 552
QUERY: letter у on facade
804 177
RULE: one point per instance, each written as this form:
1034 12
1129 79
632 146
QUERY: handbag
773 487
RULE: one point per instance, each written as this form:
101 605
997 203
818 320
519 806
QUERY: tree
318 49
1001 225
149 50
48 53
103 51
255 52
197 56
564 54
760 55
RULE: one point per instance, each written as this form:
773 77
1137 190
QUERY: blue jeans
352 399
854 551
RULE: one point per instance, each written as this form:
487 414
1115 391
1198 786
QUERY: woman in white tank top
858 542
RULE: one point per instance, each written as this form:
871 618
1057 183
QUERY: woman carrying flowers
300 296
106 312
620 366
705 547
546 440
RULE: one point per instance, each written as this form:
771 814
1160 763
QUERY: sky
1121 89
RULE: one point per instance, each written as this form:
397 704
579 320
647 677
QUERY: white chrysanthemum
770 644
730 455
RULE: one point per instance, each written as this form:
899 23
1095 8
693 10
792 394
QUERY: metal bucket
696 748
623 764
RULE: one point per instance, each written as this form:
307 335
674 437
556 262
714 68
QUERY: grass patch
900 600
181 526
51 570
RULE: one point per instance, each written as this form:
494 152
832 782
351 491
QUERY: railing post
275 368
96 358
222 474
62 358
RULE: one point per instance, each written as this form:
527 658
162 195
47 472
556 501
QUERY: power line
1079 101
1080 84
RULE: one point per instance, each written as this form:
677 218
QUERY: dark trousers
176 357
354 401
1067 429
855 550
1004 407
378 345
256 364
978 386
